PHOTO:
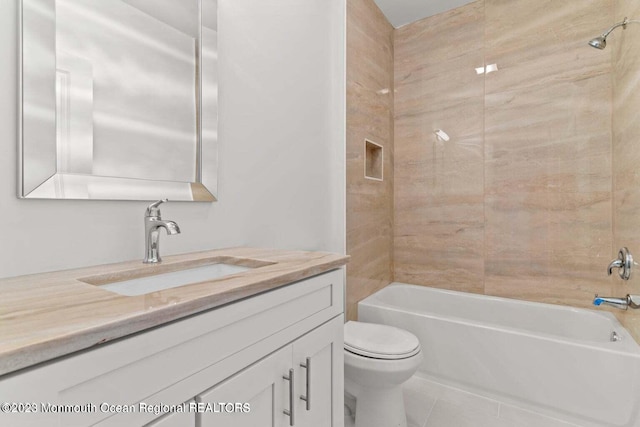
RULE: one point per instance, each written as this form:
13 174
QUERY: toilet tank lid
379 341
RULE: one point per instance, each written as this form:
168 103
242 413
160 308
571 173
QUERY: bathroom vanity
267 340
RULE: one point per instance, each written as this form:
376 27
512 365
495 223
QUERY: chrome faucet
621 303
152 225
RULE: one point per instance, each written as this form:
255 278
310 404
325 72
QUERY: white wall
281 150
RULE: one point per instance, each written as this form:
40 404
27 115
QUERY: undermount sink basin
174 279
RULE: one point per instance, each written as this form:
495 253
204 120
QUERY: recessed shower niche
374 160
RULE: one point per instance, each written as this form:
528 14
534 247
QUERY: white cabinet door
320 384
261 385
177 419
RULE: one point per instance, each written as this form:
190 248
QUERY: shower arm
622 24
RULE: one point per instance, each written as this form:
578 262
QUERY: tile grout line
426 420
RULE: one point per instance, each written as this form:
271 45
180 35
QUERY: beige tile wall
534 193
547 151
369 115
625 46
438 187
518 203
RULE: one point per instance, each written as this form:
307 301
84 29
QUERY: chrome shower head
598 42
601 42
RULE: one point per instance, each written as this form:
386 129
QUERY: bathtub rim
627 345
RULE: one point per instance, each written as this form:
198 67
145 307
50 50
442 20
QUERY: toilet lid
379 341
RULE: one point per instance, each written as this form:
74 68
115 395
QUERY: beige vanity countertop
44 316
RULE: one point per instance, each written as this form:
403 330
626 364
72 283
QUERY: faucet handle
624 262
153 209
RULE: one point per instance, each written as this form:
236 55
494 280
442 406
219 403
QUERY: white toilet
378 359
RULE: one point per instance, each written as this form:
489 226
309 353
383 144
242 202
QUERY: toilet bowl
378 359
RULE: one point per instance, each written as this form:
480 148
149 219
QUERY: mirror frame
38 177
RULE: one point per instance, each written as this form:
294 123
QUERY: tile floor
429 404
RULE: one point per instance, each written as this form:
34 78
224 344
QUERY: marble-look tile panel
627 234
547 289
626 208
439 241
426 165
519 203
569 225
552 138
370 116
363 286
626 101
438 185
547 151
458 274
624 46
534 42
442 84
449 171
626 156
430 40
548 107
369 113
548 247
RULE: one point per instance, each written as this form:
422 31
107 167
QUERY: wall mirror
119 99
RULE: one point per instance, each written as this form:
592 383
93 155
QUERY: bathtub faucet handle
623 263
632 301
616 263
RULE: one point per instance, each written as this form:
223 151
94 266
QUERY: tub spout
621 303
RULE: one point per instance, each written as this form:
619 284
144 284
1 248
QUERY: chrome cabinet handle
290 412
307 397
624 262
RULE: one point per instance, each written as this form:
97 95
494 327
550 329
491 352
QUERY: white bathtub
554 359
